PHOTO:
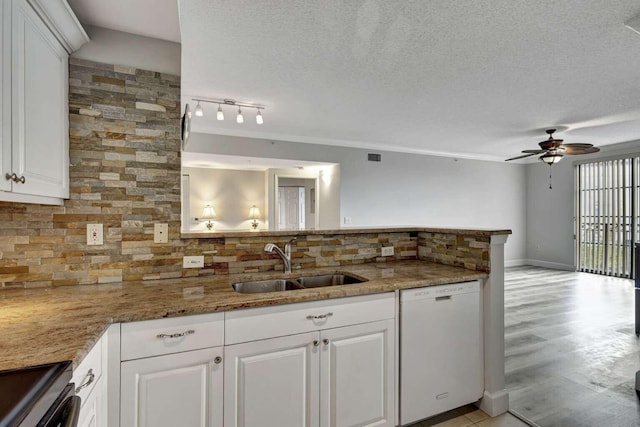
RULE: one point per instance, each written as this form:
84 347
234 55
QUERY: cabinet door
182 389
40 136
90 413
357 375
5 91
272 383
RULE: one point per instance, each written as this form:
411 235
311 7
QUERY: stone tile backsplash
468 251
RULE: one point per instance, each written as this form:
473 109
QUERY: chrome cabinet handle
325 341
90 377
217 360
176 335
13 177
319 317
316 343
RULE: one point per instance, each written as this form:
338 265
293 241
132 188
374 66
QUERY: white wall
130 50
230 192
406 189
550 213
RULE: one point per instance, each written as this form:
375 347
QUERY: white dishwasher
441 350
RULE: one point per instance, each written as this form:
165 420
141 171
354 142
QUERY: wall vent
372 157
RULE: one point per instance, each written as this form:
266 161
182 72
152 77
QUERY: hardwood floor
571 350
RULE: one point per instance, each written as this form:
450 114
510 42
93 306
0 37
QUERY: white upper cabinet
35 125
5 90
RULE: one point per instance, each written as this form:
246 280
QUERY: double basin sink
290 284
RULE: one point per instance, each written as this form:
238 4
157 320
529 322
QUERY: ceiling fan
553 150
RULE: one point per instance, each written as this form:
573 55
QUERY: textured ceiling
475 78
470 78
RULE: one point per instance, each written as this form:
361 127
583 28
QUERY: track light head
259 119
220 114
239 117
199 112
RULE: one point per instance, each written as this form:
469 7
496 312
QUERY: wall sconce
209 213
254 215
199 111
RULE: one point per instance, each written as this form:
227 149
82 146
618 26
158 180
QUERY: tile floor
470 416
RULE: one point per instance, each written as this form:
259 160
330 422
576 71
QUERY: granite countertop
338 231
53 324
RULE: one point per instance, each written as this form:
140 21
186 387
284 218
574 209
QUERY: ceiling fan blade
577 145
534 151
550 144
571 151
521 157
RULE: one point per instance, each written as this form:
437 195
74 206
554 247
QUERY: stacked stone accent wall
125 173
468 251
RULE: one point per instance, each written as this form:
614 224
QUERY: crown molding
63 23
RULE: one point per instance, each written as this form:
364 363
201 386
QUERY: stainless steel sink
305 282
261 286
328 280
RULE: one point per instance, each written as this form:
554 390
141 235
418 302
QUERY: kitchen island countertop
53 324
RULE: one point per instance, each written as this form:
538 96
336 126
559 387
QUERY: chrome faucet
286 255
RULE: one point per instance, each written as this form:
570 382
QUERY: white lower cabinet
90 383
357 375
91 412
171 372
273 382
182 389
331 377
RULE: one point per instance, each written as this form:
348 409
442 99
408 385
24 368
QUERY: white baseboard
548 264
494 404
515 262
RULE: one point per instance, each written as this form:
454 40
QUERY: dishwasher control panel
440 291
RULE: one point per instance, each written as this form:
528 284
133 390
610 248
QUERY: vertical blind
607 216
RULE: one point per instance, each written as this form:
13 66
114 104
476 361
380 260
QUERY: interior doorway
292 208
296 203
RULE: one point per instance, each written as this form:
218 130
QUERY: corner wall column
495 400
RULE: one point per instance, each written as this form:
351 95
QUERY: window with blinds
607 216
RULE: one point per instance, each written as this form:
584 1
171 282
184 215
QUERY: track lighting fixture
199 112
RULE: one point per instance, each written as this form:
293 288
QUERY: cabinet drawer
174 335
266 322
89 372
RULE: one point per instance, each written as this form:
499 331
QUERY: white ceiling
469 78
150 18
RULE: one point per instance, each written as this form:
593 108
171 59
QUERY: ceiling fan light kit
553 150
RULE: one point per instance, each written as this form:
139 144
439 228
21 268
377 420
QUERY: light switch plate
95 235
160 233
193 261
387 251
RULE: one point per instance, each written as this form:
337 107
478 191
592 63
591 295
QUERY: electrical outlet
347 220
387 251
193 261
94 235
160 233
